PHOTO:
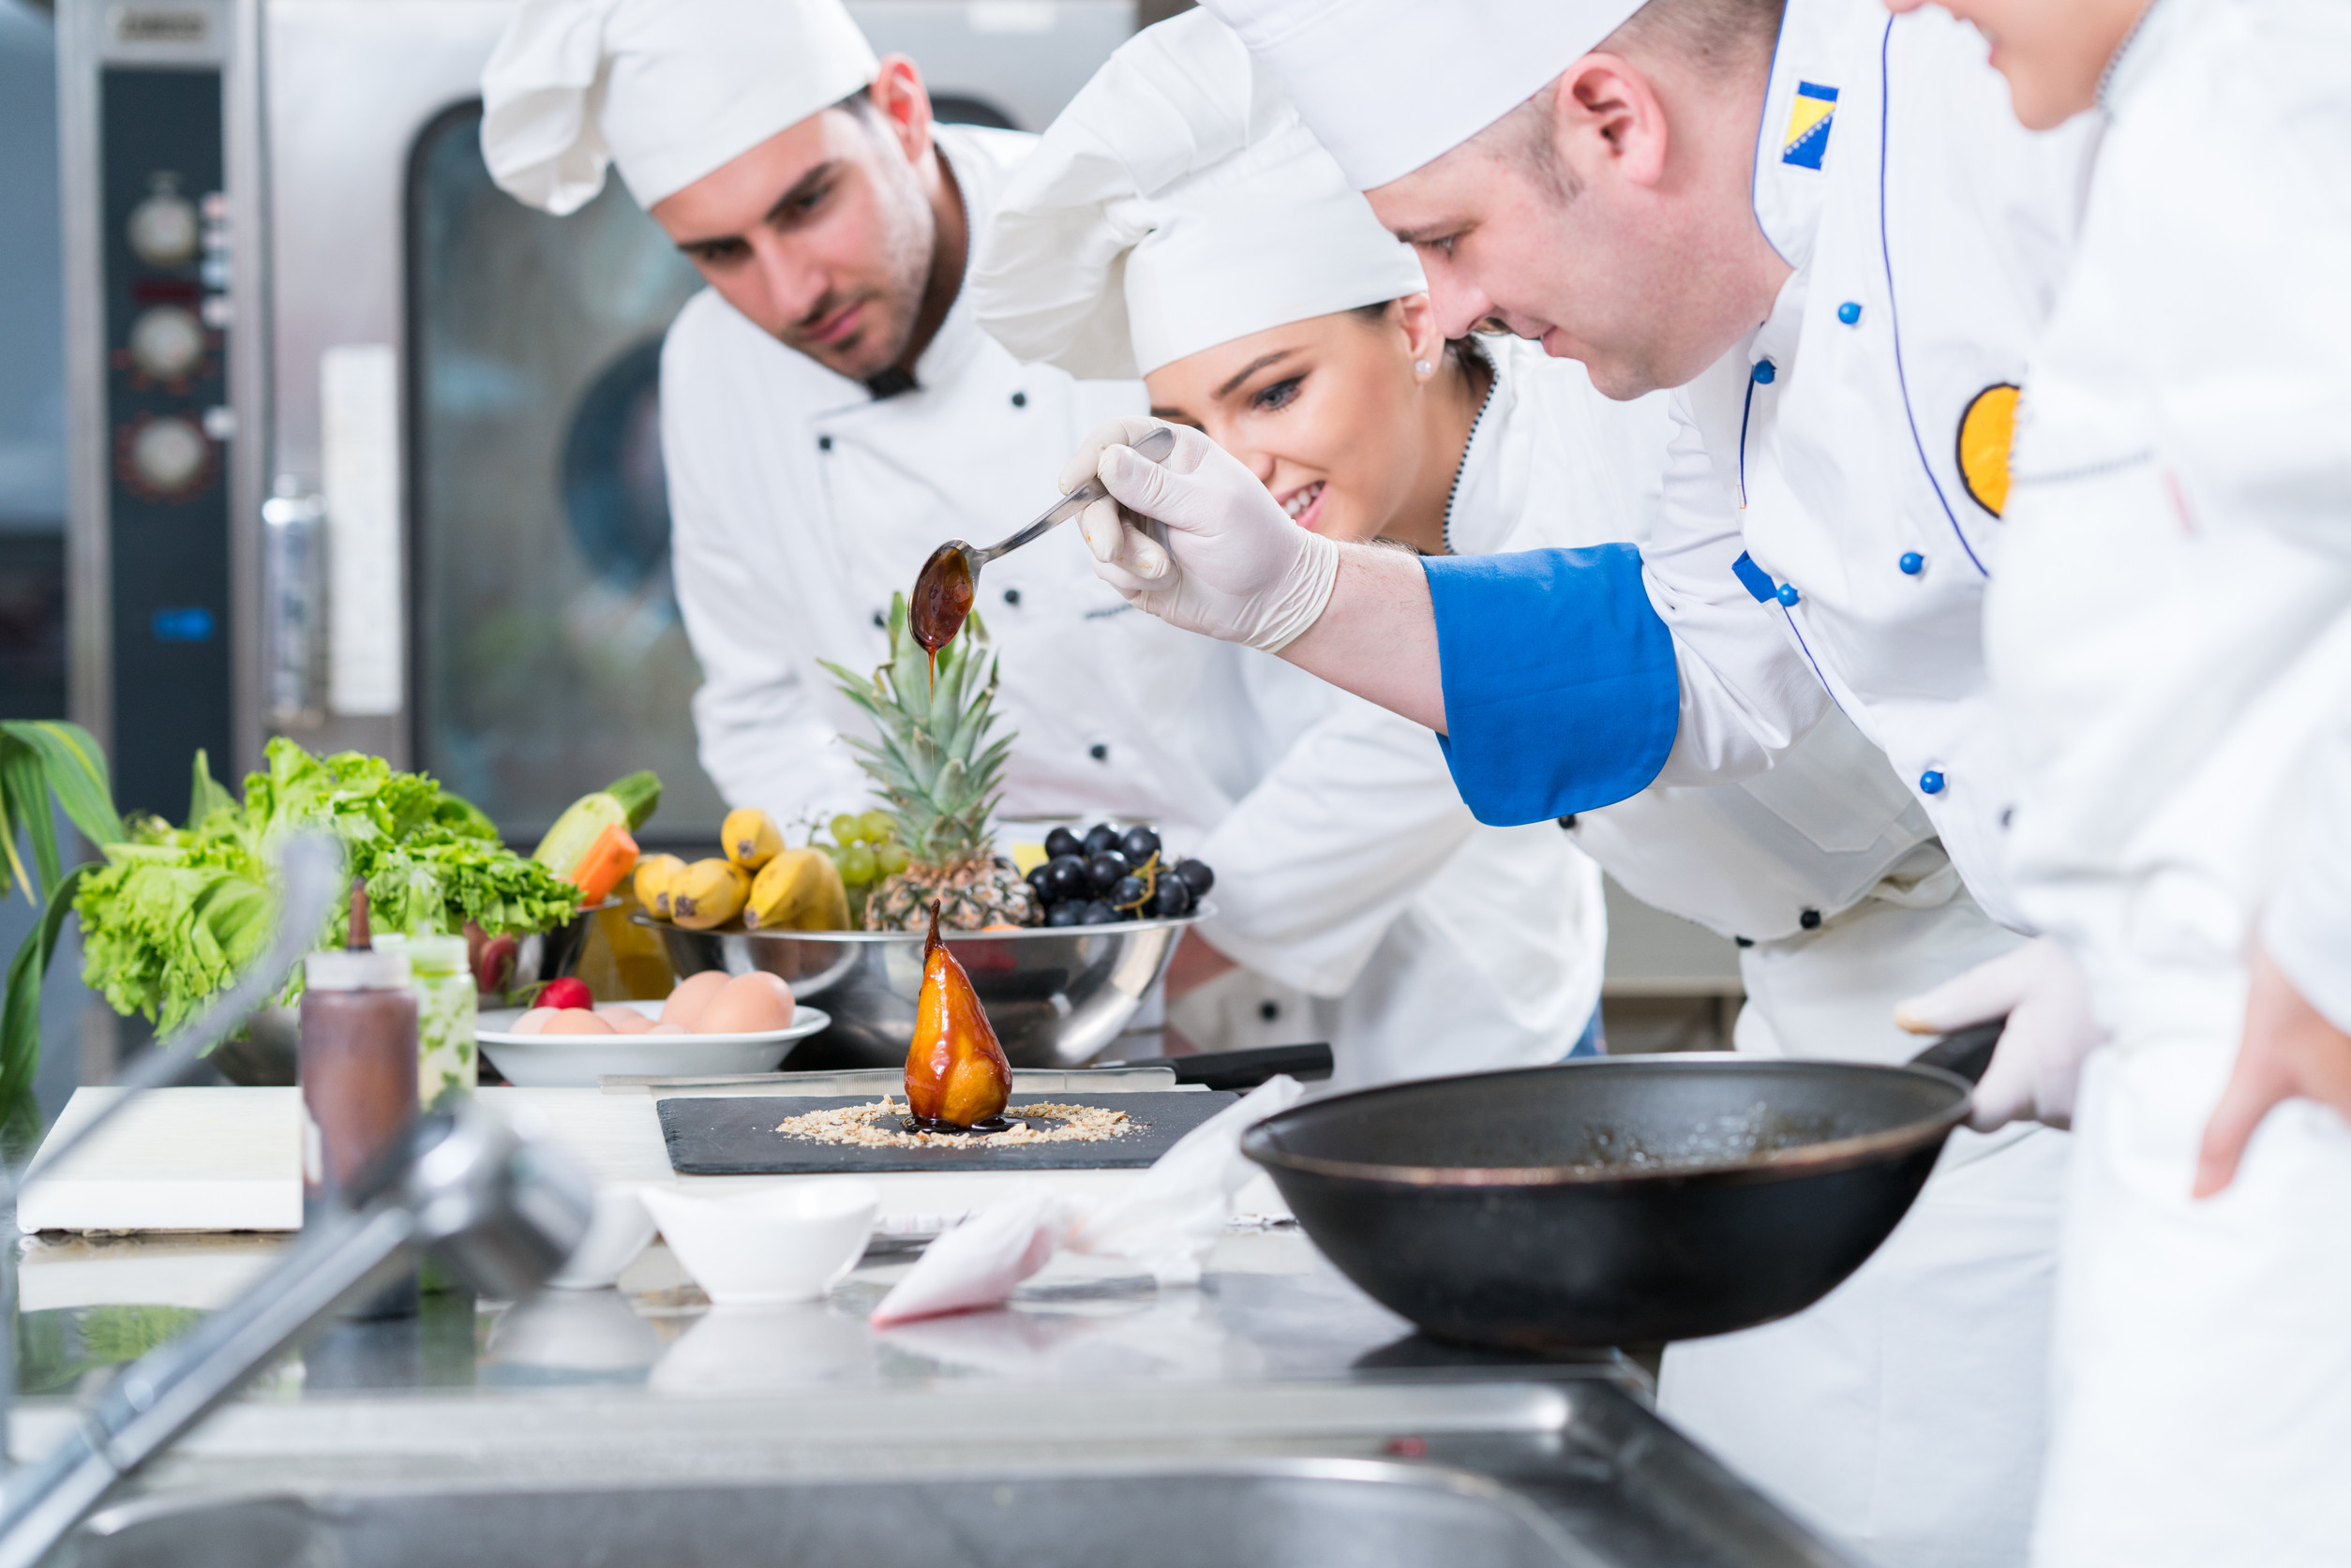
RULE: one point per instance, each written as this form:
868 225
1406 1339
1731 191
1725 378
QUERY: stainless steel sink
1364 1515
1572 1472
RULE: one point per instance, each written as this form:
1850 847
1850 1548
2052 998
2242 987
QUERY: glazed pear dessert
957 1078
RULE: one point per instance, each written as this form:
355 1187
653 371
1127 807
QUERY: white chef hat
667 89
1391 84
1178 203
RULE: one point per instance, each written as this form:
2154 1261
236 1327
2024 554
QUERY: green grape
847 829
893 858
877 827
857 865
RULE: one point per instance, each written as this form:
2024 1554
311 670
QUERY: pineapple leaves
932 757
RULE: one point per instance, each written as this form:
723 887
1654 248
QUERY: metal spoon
944 590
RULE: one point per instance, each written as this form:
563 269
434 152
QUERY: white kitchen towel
1167 1222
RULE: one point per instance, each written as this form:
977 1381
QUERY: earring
1422 369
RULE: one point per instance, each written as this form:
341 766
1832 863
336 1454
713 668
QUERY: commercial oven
363 452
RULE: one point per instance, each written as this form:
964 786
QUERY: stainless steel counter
1275 1391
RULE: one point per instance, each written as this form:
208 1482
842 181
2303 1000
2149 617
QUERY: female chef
1164 226
1352 871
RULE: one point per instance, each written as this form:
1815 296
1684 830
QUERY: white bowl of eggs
713 1024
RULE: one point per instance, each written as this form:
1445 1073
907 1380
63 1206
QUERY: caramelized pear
956 1072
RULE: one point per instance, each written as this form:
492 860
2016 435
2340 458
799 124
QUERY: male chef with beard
831 413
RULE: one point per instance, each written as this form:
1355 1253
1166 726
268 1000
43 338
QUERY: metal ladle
944 590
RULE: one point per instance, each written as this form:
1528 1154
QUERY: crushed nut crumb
875 1126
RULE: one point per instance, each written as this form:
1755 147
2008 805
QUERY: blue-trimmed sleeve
1560 689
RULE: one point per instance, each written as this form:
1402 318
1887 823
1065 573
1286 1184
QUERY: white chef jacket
2171 636
1817 470
1822 546
1901 1415
799 503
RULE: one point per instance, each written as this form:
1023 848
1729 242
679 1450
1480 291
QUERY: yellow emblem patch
1985 433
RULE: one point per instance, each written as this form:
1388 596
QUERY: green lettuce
175 913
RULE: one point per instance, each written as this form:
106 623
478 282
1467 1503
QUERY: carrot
611 857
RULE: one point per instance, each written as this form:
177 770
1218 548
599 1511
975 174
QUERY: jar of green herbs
444 983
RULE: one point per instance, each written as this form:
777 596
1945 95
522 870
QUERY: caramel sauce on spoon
942 600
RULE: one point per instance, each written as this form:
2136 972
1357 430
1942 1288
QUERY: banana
800 890
708 893
751 838
656 874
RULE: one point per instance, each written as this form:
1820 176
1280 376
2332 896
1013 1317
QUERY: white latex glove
1234 567
2037 1066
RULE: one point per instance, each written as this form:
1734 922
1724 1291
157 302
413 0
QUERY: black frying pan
1617 1200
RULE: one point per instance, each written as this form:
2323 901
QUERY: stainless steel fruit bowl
1056 996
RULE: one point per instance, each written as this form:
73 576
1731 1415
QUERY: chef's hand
2037 1066
1234 567
2290 1050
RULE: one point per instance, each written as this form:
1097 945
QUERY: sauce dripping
942 599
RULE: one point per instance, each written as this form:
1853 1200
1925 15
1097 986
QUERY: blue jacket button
1930 782
1787 595
1848 313
1912 563
1766 372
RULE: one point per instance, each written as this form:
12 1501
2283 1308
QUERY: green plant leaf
77 774
21 1007
205 794
26 779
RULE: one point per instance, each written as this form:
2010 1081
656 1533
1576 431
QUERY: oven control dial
166 341
164 230
168 456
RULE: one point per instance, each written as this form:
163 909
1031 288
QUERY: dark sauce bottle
357 1066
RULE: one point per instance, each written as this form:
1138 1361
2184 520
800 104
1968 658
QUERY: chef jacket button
1848 313
1743 941
1098 752
1930 782
1020 399
1787 595
1912 563
1766 372
1013 596
1269 1010
1569 822
2008 814
824 443
1809 920
881 620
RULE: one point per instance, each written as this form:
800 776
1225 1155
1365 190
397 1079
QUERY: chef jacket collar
2141 47
1481 529
1799 138
951 348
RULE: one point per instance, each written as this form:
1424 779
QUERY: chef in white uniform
1854 185
2170 637
1159 212
1129 245
831 412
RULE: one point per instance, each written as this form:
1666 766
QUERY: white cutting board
231 1159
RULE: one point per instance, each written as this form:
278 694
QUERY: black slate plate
732 1136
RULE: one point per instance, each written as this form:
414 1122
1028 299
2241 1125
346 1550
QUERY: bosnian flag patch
1808 125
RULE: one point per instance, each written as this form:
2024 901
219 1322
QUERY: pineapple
940 773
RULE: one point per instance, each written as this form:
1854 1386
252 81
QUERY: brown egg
750 1004
576 1020
668 1029
625 1021
532 1022
690 995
